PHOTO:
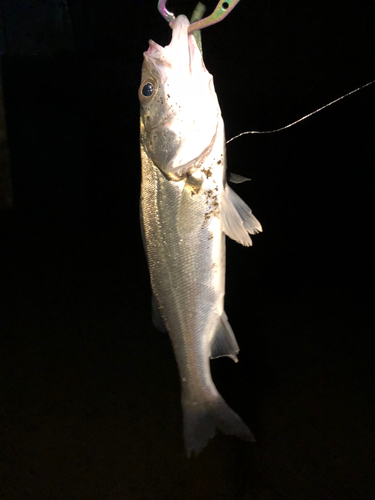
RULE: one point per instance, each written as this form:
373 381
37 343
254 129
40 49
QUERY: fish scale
181 282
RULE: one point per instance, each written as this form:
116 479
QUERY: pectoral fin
237 218
224 342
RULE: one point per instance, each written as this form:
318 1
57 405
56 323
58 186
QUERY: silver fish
187 208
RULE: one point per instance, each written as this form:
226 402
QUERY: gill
222 9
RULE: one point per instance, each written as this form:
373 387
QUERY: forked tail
202 419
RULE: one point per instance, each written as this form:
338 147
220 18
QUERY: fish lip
154 50
154 56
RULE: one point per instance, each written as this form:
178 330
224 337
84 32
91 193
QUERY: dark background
90 402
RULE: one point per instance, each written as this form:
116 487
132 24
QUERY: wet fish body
187 208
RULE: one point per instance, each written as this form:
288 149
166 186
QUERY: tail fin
202 419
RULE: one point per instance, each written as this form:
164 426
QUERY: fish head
179 107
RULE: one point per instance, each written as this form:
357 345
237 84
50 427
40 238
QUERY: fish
186 209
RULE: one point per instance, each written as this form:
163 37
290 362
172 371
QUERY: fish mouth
180 53
156 53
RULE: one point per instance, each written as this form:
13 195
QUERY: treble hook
222 10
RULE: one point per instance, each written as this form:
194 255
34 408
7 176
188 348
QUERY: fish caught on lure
187 208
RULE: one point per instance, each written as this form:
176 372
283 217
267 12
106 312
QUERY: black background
90 405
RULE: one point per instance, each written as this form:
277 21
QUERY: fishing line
300 119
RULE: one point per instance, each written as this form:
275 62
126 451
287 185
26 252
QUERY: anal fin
224 342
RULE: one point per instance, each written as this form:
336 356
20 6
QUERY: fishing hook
222 10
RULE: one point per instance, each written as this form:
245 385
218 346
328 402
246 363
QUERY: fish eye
148 89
